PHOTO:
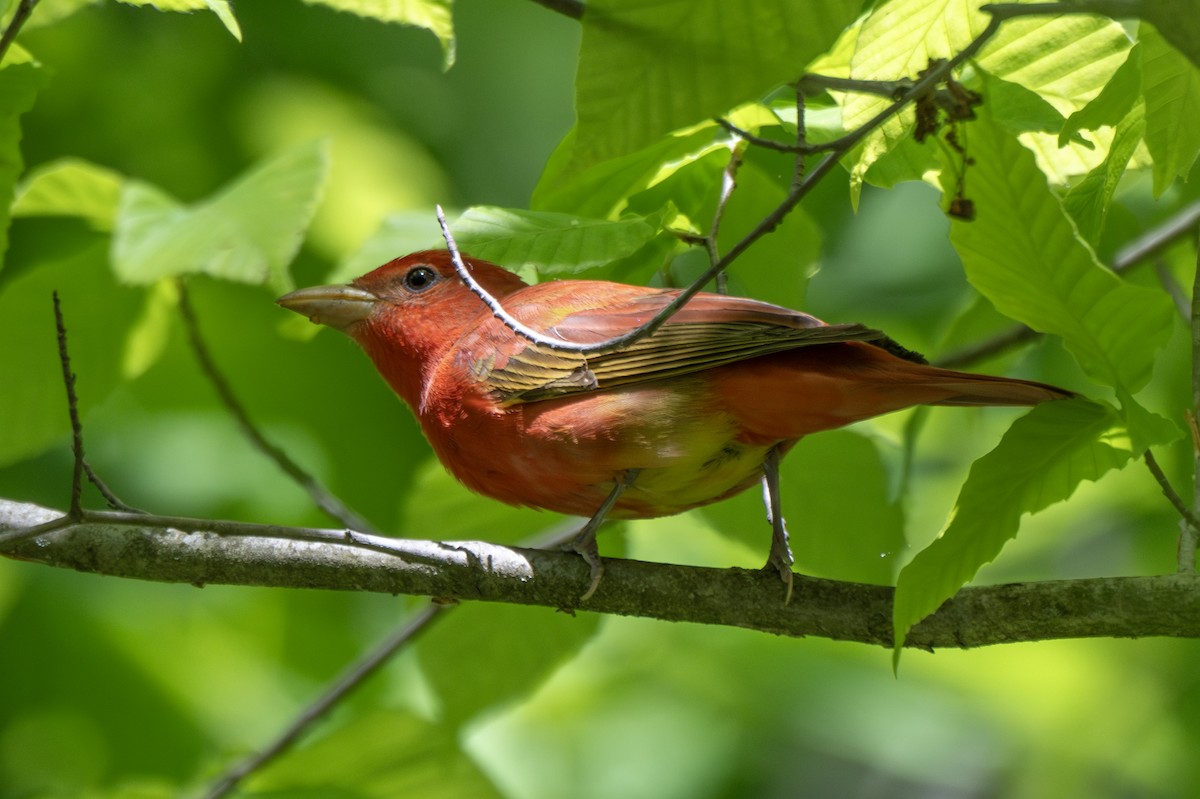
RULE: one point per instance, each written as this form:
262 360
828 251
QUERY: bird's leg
781 552
585 542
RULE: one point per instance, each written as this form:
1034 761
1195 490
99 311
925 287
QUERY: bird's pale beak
339 307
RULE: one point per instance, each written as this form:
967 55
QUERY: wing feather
710 331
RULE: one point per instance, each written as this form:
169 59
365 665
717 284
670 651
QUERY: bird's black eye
419 278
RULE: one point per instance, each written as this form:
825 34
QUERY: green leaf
1042 458
433 15
248 232
1066 60
550 243
219 7
71 187
1114 102
382 755
98 314
1088 200
536 642
601 191
1019 110
1178 23
20 80
1171 87
1022 253
649 68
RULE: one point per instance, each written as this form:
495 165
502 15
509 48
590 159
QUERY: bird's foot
781 560
585 545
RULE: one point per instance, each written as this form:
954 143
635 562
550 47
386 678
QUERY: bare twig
76 509
1189 536
19 18
338 690
320 496
1174 290
1189 518
728 184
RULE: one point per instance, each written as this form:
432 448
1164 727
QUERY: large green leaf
550 243
248 232
1022 253
1171 87
1113 103
20 80
71 187
433 15
382 755
1066 60
649 68
1041 460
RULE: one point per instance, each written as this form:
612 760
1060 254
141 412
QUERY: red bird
695 413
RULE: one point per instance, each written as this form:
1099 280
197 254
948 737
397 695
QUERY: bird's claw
591 555
782 565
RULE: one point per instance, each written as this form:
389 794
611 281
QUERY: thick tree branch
1167 605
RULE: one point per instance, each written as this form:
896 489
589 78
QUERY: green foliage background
295 144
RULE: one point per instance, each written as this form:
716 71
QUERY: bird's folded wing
708 332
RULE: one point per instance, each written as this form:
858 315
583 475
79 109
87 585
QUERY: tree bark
1122 607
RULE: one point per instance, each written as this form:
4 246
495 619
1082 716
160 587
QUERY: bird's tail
963 388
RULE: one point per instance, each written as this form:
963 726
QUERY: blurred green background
115 688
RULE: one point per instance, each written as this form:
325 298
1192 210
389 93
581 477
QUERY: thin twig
112 499
1175 291
357 674
320 496
20 16
1188 537
64 358
728 184
1189 518
341 687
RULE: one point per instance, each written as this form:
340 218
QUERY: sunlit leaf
1088 200
248 232
71 187
649 68
20 80
1066 60
1171 87
433 15
1041 460
219 7
1022 253
1113 103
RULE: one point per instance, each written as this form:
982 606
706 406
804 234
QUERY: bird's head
405 313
